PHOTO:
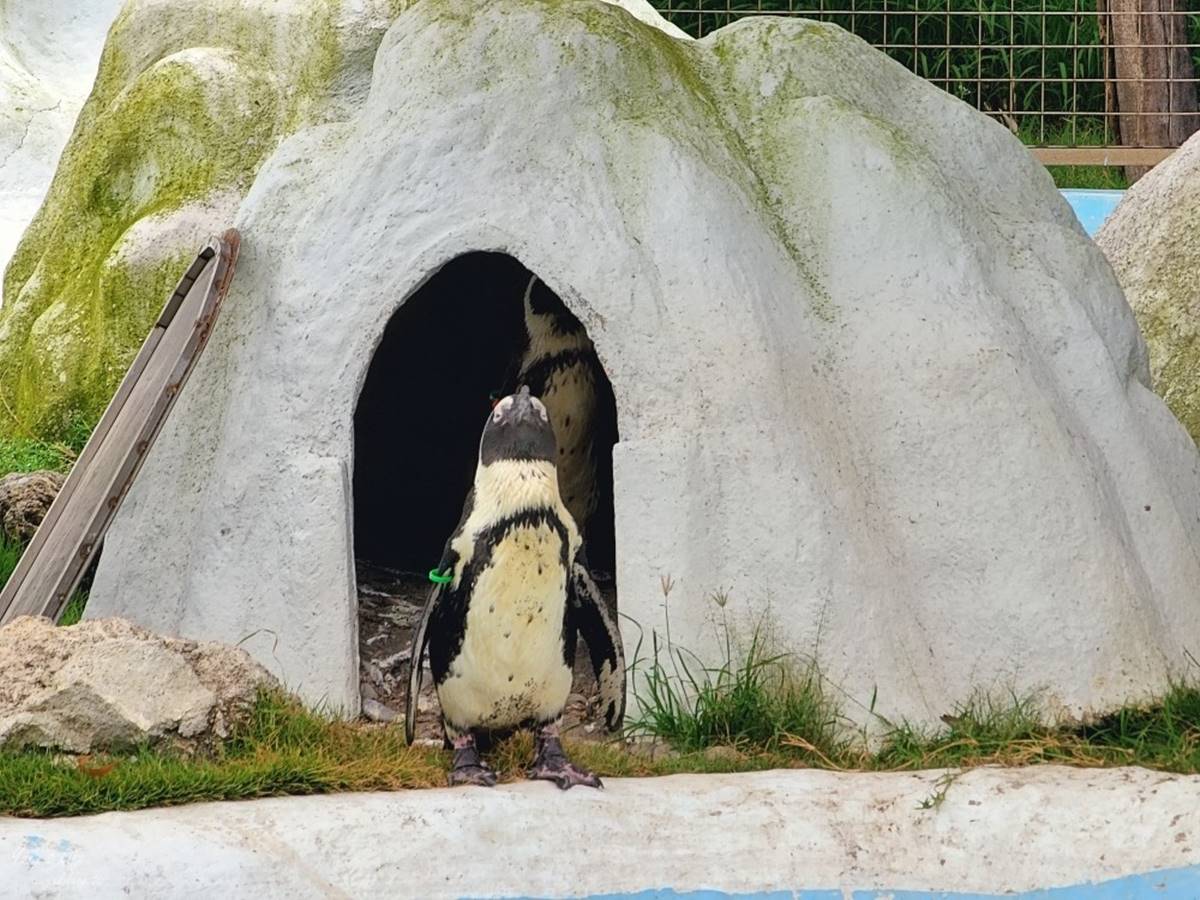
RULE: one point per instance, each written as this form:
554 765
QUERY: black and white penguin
501 630
560 366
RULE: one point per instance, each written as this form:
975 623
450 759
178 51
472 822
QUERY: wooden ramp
70 535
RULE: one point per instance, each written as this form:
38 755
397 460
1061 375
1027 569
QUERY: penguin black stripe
539 373
450 616
487 540
544 302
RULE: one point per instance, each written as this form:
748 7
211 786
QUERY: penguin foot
468 767
551 764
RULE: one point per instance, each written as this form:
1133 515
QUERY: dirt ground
389 607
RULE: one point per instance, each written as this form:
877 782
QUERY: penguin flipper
599 631
420 639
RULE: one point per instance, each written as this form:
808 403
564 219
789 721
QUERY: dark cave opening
422 408
417 425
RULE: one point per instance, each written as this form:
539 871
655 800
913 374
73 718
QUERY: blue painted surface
1092 207
1167 884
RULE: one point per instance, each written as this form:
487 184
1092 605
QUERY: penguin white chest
511 668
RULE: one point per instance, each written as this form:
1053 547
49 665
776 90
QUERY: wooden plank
1101 156
114 407
67 540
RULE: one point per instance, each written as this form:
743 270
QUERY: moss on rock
1153 243
187 104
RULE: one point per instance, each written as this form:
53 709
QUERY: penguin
560 366
501 629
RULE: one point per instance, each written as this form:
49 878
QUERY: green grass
1107 178
282 749
763 713
760 710
10 555
764 703
29 455
21 451
1085 133
768 707
73 611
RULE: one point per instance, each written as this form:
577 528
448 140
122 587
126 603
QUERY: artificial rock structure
48 56
875 385
1153 243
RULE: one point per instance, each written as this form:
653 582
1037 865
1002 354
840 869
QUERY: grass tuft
764 701
10 555
761 703
73 612
29 455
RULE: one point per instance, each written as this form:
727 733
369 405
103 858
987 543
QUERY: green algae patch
669 85
186 127
1174 344
172 123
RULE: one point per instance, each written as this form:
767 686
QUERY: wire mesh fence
1089 81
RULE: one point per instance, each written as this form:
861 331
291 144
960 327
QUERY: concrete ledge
1068 832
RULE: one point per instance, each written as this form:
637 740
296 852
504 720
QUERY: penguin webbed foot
468 766
551 763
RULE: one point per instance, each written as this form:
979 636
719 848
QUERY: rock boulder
189 100
25 497
107 684
875 384
1153 243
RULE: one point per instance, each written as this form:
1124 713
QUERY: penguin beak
521 409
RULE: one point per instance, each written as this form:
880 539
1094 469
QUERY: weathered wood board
69 536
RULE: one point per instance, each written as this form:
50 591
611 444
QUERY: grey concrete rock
878 392
1153 243
108 684
25 498
377 712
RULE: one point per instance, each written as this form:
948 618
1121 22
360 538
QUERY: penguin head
544 311
517 428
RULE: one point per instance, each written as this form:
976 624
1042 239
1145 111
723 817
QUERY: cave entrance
427 393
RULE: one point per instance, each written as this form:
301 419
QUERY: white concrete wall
1126 833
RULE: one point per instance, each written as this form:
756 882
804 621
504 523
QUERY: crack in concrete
33 113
